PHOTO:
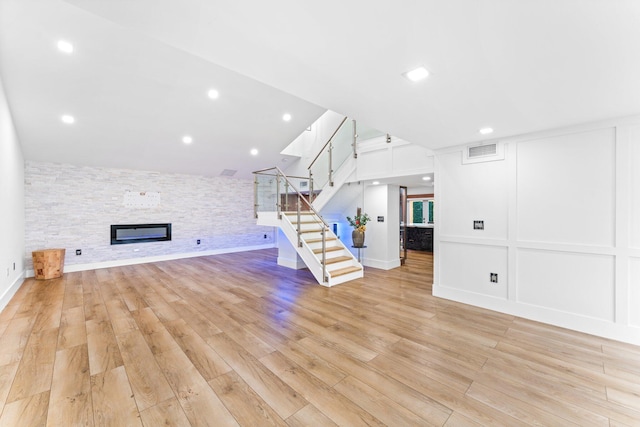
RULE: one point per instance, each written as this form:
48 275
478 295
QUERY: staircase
341 265
326 257
279 203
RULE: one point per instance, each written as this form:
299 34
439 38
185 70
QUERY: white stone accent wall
73 207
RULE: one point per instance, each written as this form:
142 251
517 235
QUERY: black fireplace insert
138 233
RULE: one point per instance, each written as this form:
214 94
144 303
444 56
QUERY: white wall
562 229
378 159
11 205
72 207
308 144
382 238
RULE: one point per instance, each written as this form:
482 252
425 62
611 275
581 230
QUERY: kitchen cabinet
420 238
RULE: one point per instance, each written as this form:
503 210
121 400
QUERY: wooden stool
48 263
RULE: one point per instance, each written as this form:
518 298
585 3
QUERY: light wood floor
236 340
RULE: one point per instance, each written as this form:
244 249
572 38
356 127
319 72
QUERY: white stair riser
339 265
330 244
345 278
334 254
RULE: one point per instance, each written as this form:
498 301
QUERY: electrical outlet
493 277
78 251
265 236
198 242
478 225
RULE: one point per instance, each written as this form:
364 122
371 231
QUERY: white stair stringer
342 266
339 178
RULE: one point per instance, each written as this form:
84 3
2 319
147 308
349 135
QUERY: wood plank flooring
234 339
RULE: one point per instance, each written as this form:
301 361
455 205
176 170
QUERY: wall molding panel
569 205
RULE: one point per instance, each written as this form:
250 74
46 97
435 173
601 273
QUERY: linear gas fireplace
138 233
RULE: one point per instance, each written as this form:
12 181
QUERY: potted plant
359 224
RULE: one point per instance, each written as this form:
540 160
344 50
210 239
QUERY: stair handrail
326 143
300 196
329 144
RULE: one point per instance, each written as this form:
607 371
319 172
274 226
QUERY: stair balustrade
331 156
273 190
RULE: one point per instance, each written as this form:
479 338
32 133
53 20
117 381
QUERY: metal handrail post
286 196
324 254
299 227
278 207
355 138
255 196
331 164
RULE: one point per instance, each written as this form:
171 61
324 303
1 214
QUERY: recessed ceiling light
418 74
254 151
426 178
376 182
213 94
65 46
286 117
187 139
486 131
67 119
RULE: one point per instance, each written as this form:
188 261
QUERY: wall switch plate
493 277
78 251
478 225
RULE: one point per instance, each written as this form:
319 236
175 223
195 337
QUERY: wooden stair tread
311 230
331 249
320 240
346 270
338 259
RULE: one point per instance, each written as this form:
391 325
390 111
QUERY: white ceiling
138 78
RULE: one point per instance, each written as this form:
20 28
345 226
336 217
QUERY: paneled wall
73 207
378 159
561 219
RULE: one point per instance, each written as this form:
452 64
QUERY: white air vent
228 172
482 150
483 153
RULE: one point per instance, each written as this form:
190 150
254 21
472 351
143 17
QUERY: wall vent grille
488 152
483 150
228 172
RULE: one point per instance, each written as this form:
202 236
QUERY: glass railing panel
320 171
366 132
343 145
266 193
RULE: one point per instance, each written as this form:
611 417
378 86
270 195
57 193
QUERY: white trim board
11 290
170 257
575 322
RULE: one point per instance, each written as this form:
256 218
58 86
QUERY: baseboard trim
11 290
132 261
575 322
379 264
